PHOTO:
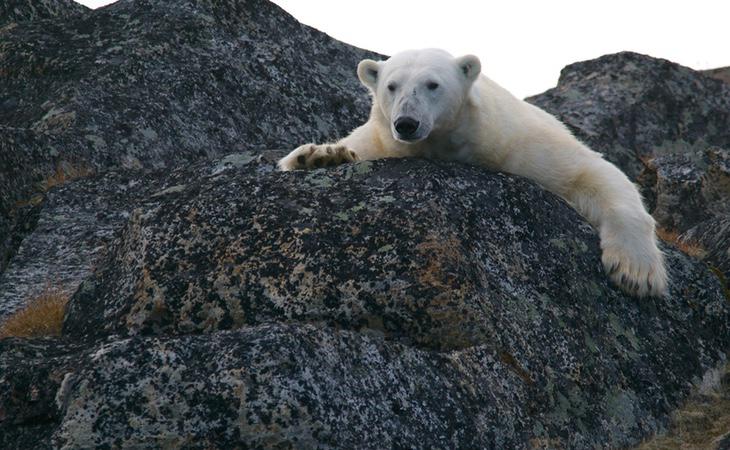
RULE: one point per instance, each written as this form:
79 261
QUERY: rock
72 226
13 11
723 74
633 107
692 193
400 303
278 386
483 284
71 229
667 127
714 236
691 188
31 372
155 84
724 443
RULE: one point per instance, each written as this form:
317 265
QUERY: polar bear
430 104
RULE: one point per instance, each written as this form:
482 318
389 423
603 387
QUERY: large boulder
721 73
68 230
31 372
478 296
633 107
668 127
153 84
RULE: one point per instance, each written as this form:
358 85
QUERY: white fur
467 117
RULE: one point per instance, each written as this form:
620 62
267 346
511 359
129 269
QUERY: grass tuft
700 424
63 174
42 316
688 247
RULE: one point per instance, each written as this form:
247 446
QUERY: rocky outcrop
665 125
363 306
69 230
691 188
14 11
31 372
153 84
632 108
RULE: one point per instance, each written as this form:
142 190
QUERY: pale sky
524 44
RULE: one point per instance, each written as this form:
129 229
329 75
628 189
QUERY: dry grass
65 173
700 424
690 248
42 316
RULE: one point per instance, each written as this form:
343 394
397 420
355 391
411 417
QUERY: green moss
620 406
559 243
590 343
319 178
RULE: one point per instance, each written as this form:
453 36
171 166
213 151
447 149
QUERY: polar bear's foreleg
313 156
605 196
359 145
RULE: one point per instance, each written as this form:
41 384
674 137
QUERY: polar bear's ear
470 66
367 71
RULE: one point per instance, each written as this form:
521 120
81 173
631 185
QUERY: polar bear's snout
411 117
406 128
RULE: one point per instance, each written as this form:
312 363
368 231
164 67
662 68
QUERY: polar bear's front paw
312 156
636 269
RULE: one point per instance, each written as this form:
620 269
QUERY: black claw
613 268
319 162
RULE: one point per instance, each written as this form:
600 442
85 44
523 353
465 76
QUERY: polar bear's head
419 92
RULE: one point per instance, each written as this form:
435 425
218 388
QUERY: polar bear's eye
391 87
432 85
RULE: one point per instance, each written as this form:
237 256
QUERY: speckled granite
484 275
14 11
158 83
632 107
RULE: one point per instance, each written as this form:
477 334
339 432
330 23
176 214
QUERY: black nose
405 126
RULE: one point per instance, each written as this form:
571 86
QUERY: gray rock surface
633 107
153 84
31 372
71 230
14 11
368 305
723 74
691 188
713 236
